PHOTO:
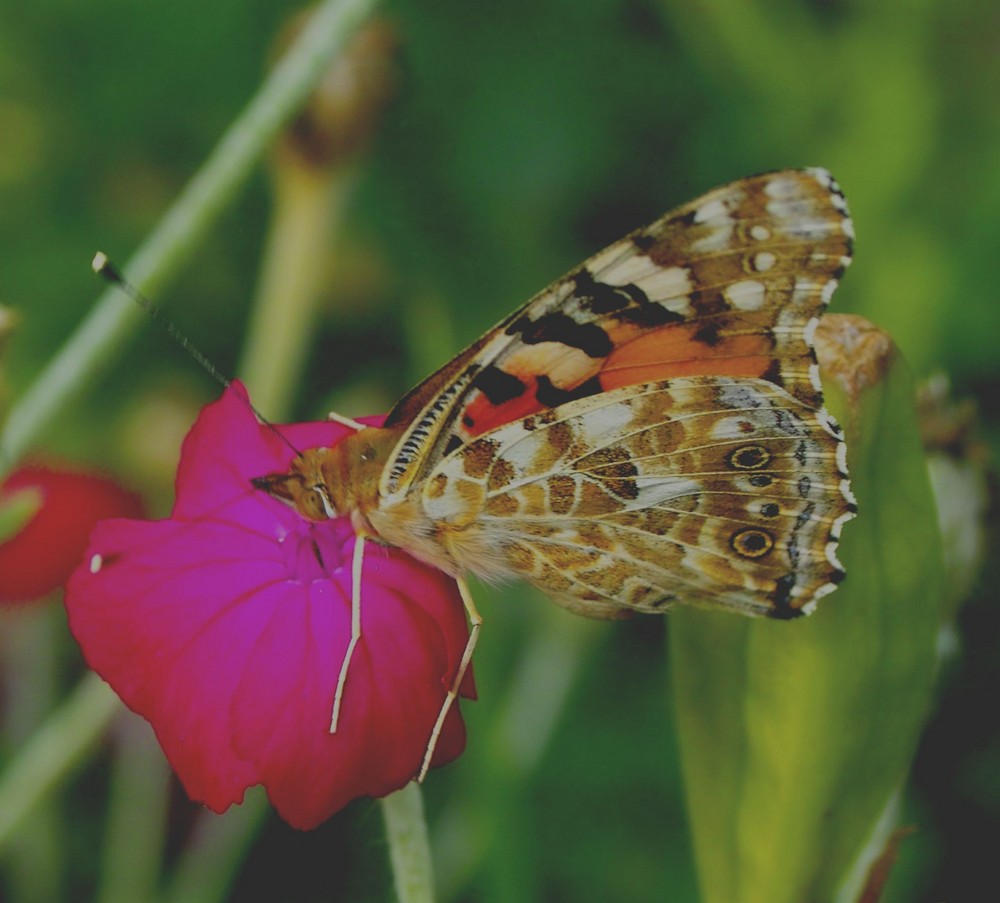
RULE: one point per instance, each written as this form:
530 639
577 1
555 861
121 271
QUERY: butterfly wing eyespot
751 542
748 457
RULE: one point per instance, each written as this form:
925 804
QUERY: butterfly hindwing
715 490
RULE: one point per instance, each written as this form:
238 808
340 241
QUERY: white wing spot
782 188
601 261
597 426
831 555
656 281
656 490
827 293
822 591
622 271
848 226
760 233
829 424
814 377
763 261
746 295
822 176
729 428
714 210
809 333
96 563
719 239
672 282
842 457
850 497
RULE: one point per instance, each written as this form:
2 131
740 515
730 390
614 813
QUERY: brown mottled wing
720 491
728 285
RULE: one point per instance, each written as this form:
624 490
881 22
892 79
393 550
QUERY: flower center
317 551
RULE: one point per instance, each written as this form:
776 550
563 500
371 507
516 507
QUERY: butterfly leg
357 563
334 417
475 622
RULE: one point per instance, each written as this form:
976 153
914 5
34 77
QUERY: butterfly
646 431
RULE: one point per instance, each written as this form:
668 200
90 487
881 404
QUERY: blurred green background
521 137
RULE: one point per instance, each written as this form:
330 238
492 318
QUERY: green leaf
794 735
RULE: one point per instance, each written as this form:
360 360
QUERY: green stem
409 847
135 825
113 320
308 213
34 860
216 849
60 744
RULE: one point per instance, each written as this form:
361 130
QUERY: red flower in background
41 555
226 626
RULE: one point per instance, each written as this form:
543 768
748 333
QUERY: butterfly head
324 483
304 485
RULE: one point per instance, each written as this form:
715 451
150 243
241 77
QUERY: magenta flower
42 554
226 626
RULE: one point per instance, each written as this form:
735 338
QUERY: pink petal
226 626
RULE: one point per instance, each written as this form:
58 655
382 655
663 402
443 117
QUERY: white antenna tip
99 262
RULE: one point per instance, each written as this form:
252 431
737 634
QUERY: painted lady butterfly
648 430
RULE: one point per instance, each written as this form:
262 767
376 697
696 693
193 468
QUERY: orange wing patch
678 351
665 353
483 415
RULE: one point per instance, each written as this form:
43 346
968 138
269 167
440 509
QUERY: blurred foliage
522 137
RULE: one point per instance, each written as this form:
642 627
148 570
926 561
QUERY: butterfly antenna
107 271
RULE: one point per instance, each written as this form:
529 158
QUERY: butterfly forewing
730 284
